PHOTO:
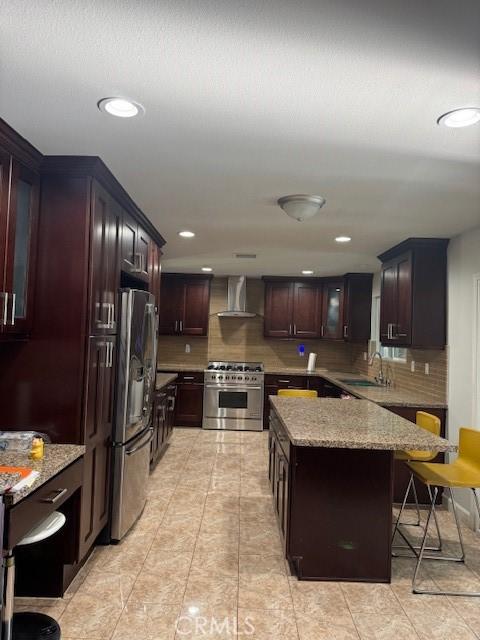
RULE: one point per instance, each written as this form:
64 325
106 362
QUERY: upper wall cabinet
134 248
19 202
184 304
292 309
327 308
413 294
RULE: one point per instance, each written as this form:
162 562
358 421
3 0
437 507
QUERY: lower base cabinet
189 400
162 423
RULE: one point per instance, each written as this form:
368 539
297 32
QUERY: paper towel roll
312 357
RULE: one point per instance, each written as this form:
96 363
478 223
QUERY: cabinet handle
113 315
189 377
345 331
284 381
171 403
389 327
181 326
5 306
14 298
176 325
111 355
322 331
57 494
294 329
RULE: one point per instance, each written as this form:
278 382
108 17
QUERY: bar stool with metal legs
431 423
298 393
28 625
463 473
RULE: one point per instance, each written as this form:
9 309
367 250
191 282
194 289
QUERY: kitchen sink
360 383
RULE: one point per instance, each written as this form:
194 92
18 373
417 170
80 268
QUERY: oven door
233 401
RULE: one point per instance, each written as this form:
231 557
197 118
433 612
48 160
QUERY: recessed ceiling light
460 117
186 234
342 239
121 107
307 272
207 269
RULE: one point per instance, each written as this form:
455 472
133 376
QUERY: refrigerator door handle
130 452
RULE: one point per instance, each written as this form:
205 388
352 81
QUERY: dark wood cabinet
134 248
105 234
332 310
292 309
184 306
189 400
154 268
97 439
19 204
159 424
413 294
357 307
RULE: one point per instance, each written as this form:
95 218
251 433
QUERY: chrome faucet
380 378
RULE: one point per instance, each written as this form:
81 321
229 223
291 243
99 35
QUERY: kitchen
161 293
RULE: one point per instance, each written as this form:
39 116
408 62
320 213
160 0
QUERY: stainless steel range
233 396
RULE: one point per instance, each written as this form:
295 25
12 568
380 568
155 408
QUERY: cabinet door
5 172
271 459
129 261
142 249
332 316
189 406
154 268
402 331
171 305
20 252
306 310
357 307
98 429
388 300
278 321
105 280
196 296
282 493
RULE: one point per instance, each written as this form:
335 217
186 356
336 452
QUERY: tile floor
206 555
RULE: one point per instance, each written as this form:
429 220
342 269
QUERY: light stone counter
351 424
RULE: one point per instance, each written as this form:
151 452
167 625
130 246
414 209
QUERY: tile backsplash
242 339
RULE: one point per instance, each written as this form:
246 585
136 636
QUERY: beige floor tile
147 622
166 563
378 626
450 628
416 605
258 564
88 617
214 563
321 598
314 625
469 610
158 588
227 542
267 624
173 540
264 591
266 539
370 598
53 607
212 589
217 504
202 621
112 586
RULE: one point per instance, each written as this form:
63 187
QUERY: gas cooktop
256 367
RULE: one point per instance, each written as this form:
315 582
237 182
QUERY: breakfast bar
331 474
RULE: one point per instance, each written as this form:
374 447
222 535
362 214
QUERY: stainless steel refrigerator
135 383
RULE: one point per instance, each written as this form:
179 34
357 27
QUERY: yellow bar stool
463 473
431 423
298 393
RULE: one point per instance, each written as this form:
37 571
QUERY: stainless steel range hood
237 299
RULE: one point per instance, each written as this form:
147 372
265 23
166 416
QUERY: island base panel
341 514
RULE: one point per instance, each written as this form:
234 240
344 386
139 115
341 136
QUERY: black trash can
34 626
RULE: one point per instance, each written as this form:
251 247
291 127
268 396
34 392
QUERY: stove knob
247 377
227 377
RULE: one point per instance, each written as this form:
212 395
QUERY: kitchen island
331 473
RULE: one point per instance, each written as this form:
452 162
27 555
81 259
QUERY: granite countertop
181 367
384 396
163 379
351 424
57 457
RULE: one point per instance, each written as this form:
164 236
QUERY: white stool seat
44 529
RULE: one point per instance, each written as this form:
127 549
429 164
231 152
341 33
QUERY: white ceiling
248 101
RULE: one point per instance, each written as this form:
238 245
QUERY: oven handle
231 386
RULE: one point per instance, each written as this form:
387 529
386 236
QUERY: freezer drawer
131 472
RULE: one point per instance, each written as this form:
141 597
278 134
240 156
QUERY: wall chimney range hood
236 299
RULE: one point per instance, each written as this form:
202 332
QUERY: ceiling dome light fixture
301 206
186 234
460 117
342 239
120 107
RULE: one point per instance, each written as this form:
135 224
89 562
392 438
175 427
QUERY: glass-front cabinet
332 316
19 218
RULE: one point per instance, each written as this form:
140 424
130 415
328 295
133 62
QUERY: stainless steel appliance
233 396
132 434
